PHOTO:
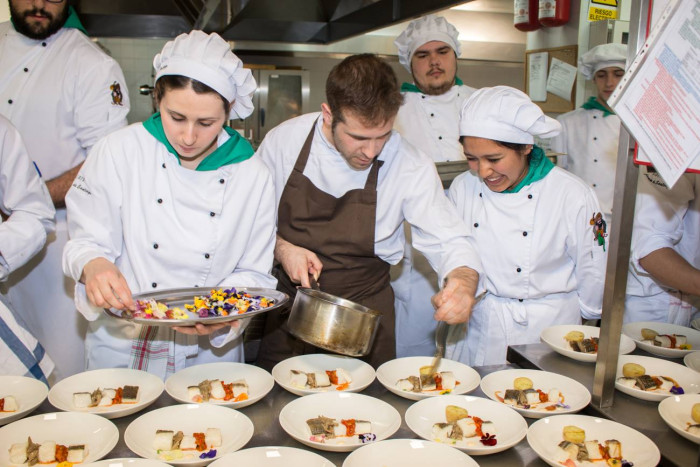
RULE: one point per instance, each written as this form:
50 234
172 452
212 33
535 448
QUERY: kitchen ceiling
296 21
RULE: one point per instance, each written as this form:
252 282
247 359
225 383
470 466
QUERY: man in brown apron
336 234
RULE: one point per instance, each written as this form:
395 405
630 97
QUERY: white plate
28 392
362 373
692 361
236 429
554 337
675 411
150 388
544 437
66 428
634 331
687 378
401 368
576 396
339 405
259 381
126 462
509 426
407 453
273 456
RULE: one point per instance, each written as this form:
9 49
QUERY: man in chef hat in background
345 183
428 119
27 217
590 134
63 94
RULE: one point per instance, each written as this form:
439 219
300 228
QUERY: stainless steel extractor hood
298 21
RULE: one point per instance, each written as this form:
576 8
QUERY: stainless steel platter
178 297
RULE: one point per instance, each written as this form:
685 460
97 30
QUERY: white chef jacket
25 199
663 219
166 226
57 93
408 188
431 124
542 263
590 142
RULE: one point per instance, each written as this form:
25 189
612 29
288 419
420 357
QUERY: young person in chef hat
590 134
428 119
531 223
175 201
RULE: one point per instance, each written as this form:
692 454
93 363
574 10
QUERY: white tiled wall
135 56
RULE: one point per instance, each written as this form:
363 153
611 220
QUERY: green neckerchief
74 22
540 165
592 103
236 149
410 87
71 22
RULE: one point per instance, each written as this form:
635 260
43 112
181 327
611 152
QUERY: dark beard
22 26
435 90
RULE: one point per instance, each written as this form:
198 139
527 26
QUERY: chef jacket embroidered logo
116 94
600 229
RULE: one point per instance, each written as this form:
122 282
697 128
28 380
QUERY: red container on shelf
525 15
554 12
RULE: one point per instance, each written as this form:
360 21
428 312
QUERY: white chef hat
208 59
602 56
423 30
502 113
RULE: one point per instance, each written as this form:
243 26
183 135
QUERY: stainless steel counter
636 413
268 432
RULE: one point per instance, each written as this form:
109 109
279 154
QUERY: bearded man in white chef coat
664 280
63 94
345 184
590 134
429 120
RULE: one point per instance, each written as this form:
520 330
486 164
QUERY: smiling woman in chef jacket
533 224
176 201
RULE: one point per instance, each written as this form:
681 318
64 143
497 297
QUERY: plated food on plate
682 414
59 439
339 378
174 445
8 404
323 429
584 441
663 339
525 396
106 397
188 434
338 421
429 381
579 342
46 452
19 395
634 376
535 393
475 425
414 377
109 392
576 448
654 379
223 383
315 373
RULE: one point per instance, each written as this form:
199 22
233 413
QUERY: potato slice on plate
454 413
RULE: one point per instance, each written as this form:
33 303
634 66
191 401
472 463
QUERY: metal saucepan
333 323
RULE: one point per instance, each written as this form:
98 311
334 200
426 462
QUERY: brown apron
341 233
